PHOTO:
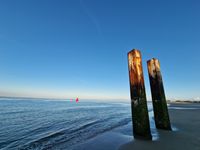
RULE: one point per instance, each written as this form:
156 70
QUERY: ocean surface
49 124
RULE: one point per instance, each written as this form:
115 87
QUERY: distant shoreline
183 102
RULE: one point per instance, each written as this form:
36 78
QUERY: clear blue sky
70 48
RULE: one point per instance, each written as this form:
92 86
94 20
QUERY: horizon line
114 99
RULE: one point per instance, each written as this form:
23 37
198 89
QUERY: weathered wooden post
140 117
158 95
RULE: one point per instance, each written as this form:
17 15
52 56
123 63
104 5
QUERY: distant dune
183 101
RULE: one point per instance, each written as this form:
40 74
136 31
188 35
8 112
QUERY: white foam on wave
154 131
174 128
182 108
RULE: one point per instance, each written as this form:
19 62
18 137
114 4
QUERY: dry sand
186 137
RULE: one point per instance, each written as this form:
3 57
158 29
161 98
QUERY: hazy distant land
183 101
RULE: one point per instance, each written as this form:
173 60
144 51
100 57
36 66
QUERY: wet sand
184 117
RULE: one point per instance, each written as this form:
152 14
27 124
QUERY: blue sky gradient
65 49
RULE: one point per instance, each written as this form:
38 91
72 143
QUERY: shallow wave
69 137
14 112
86 107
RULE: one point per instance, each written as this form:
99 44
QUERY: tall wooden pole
158 95
140 117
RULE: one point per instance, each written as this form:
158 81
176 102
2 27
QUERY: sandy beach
185 120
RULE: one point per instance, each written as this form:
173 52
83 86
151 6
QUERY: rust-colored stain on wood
135 68
153 67
140 118
158 95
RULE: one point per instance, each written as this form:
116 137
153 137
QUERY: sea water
60 124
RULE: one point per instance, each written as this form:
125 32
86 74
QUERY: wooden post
158 95
140 117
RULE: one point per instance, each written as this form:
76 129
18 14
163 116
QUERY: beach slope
185 119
